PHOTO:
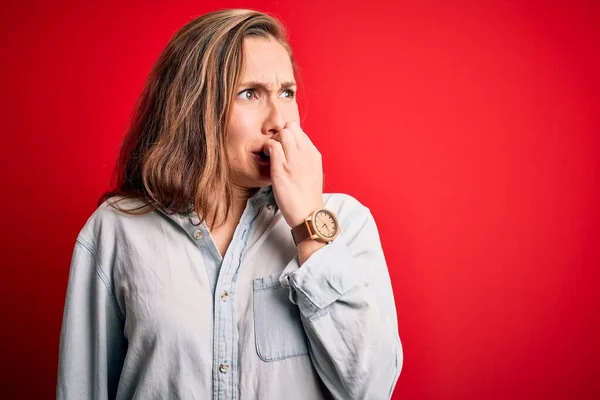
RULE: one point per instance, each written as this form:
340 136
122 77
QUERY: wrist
307 248
301 216
320 225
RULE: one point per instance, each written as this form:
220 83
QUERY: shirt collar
264 197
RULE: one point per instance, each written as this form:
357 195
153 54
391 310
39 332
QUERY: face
265 101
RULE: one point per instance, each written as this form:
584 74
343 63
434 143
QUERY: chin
264 173
264 182
257 180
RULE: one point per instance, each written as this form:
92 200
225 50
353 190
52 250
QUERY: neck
240 198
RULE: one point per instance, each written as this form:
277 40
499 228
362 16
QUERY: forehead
266 61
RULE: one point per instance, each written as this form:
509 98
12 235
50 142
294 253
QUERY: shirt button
224 368
224 295
198 234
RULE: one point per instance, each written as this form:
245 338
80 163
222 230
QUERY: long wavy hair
174 154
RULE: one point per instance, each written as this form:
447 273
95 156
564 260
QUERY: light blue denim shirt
153 311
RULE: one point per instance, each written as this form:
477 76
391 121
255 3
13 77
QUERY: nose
274 121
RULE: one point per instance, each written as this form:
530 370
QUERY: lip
259 149
260 160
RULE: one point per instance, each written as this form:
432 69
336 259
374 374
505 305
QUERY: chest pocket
278 329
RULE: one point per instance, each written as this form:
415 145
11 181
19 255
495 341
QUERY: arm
347 309
92 346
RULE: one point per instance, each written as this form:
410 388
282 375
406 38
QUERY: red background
469 129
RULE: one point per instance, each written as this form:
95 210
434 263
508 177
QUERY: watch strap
301 232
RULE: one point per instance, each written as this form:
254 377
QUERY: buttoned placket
222 273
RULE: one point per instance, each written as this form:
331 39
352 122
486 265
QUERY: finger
274 150
301 137
288 141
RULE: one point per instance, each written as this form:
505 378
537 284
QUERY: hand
296 173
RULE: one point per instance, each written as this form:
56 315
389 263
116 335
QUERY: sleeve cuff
328 274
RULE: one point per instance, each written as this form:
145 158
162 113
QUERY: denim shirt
153 311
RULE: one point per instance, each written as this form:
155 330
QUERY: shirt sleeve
92 345
347 309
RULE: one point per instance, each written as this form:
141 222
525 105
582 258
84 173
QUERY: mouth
262 158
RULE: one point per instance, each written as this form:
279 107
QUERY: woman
218 268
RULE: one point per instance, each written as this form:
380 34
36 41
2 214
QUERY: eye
288 93
247 94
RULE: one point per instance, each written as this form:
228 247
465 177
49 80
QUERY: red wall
470 130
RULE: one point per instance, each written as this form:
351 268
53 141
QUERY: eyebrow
256 84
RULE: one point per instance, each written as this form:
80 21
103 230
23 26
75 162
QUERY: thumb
274 150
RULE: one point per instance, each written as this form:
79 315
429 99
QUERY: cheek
292 113
235 150
241 124
237 143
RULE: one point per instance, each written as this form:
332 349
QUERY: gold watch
322 225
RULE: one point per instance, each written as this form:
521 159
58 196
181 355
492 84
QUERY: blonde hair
173 156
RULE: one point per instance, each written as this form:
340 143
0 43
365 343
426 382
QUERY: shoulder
344 205
111 218
355 218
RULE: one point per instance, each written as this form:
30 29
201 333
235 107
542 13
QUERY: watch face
326 224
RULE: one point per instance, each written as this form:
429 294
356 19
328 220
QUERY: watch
322 225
